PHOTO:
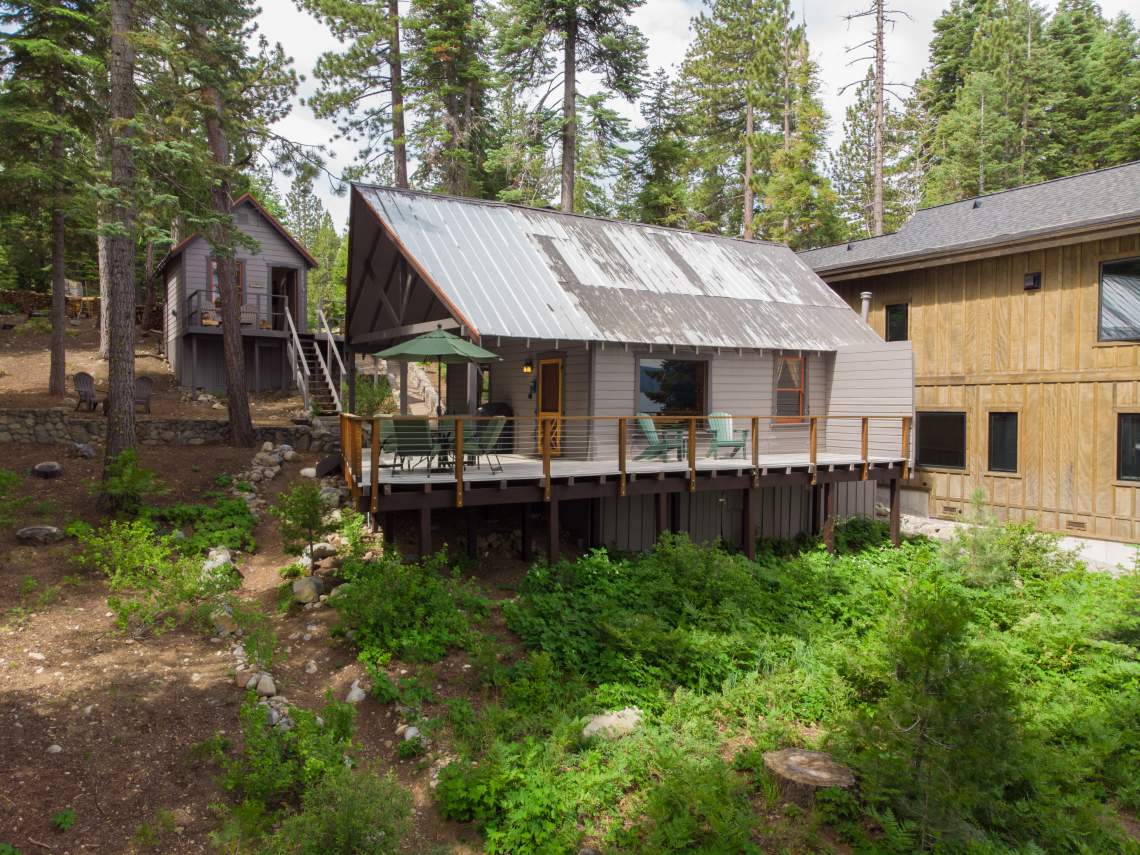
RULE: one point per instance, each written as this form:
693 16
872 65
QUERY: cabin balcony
261 314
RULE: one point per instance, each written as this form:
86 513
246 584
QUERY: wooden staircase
320 396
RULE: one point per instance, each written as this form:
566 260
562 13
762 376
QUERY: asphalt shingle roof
1079 201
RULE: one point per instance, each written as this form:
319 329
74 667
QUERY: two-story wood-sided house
272 279
1023 308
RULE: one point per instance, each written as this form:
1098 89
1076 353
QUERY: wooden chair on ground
723 436
414 444
85 389
144 389
659 444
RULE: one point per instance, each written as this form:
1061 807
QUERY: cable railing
461 450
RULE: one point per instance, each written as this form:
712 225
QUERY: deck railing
458 450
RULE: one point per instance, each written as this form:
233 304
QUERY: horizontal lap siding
172 319
879 380
982 343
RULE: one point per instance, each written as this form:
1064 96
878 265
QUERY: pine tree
326 280
1069 40
949 53
51 65
540 39
1114 95
661 165
304 212
851 165
447 73
518 167
601 156
361 88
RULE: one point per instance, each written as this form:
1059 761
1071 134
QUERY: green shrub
34 325
126 485
223 521
347 812
276 765
371 398
300 513
407 610
150 582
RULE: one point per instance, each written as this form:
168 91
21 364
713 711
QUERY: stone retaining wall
49 426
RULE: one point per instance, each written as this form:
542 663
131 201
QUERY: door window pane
550 387
1120 300
671 387
1003 442
1128 452
941 440
897 322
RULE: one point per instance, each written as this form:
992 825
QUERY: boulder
47 469
83 450
308 472
322 550
265 686
330 464
612 725
289 456
800 774
355 693
218 558
307 589
40 535
267 446
331 496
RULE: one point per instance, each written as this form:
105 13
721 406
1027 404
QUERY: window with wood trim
940 440
215 286
897 323
1119 300
1003 442
1128 447
791 388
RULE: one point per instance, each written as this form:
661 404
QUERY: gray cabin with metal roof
596 319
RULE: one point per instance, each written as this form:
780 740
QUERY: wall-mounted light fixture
528 366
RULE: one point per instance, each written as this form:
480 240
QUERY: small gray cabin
650 378
280 350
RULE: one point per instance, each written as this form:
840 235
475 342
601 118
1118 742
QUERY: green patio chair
482 442
723 436
658 444
414 443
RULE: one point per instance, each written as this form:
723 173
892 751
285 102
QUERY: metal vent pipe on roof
865 299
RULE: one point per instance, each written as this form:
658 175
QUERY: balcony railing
258 311
457 451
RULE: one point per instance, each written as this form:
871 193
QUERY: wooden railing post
865 425
906 446
459 462
374 474
544 426
621 454
692 454
755 452
813 441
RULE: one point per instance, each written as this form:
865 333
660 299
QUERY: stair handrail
297 359
323 323
328 376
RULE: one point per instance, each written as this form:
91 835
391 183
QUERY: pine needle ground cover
987 694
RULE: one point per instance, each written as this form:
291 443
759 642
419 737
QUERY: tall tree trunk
749 120
221 240
880 118
102 248
121 245
569 111
57 379
399 146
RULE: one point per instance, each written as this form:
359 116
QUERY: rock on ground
307 589
265 686
323 550
308 472
47 469
612 725
355 693
39 534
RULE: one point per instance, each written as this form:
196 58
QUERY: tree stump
800 774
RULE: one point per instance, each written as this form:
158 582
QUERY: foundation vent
1077 525
952 510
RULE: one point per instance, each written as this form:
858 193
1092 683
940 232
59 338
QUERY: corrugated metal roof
1079 201
534 273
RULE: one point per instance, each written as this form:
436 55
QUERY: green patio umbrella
441 346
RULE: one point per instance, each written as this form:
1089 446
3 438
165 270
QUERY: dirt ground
25 360
126 713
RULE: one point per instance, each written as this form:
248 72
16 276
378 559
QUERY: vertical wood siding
982 343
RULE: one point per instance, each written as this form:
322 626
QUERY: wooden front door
550 402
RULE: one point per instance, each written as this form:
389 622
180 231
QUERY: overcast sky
666 25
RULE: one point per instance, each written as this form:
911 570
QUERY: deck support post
748 527
895 512
829 501
526 553
816 512
389 527
425 532
554 540
661 507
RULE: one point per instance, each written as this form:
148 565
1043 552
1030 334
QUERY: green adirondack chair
659 443
723 436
